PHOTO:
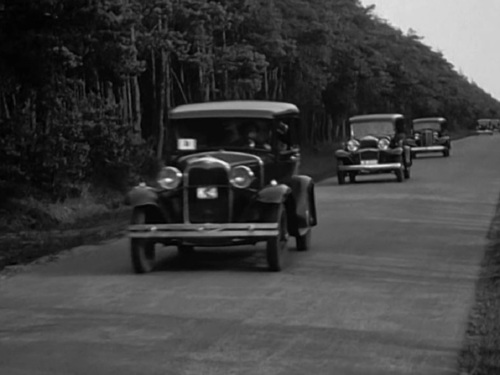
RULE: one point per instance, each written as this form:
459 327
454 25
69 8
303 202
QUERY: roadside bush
77 148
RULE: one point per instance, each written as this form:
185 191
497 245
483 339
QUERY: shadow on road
362 180
244 259
429 156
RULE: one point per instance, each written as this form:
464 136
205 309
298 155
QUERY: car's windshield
375 128
427 125
209 133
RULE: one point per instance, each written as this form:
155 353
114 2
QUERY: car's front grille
368 155
209 209
427 138
368 143
208 176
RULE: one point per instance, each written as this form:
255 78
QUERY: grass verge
481 351
25 246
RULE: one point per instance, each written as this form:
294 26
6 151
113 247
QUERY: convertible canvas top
377 117
234 108
429 119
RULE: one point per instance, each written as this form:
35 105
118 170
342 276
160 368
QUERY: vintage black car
230 178
485 126
430 135
376 145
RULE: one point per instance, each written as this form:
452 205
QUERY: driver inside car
257 136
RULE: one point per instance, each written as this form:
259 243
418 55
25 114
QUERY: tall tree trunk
123 101
135 92
225 83
161 100
6 112
128 95
137 105
179 85
266 84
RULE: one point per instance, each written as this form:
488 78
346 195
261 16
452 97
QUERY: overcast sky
467 32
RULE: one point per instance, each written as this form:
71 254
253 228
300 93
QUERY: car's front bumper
253 231
371 167
436 148
349 154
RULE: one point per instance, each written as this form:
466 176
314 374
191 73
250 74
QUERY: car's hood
229 158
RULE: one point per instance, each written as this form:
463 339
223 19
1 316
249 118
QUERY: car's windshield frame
202 134
431 125
375 128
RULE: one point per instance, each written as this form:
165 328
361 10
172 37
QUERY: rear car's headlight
383 144
169 178
352 145
241 177
417 136
435 134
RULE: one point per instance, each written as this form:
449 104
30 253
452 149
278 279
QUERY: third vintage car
430 135
376 145
230 178
485 126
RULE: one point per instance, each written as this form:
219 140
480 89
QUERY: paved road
386 290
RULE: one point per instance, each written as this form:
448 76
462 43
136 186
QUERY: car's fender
342 153
394 151
407 156
142 195
411 142
146 197
444 140
303 195
274 194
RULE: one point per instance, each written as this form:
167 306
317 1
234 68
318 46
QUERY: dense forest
85 85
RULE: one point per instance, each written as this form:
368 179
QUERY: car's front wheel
142 250
341 178
277 249
446 152
399 175
406 173
304 242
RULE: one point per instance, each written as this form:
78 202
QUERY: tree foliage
85 85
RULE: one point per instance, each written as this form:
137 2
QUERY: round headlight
383 144
169 178
436 134
352 145
417 135
241 177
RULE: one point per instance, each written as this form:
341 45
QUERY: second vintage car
230 178
430 135
485 126
376 145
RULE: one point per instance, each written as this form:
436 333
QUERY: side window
295 134
286 134
400 126
283 136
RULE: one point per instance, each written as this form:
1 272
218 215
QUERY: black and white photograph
249 187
